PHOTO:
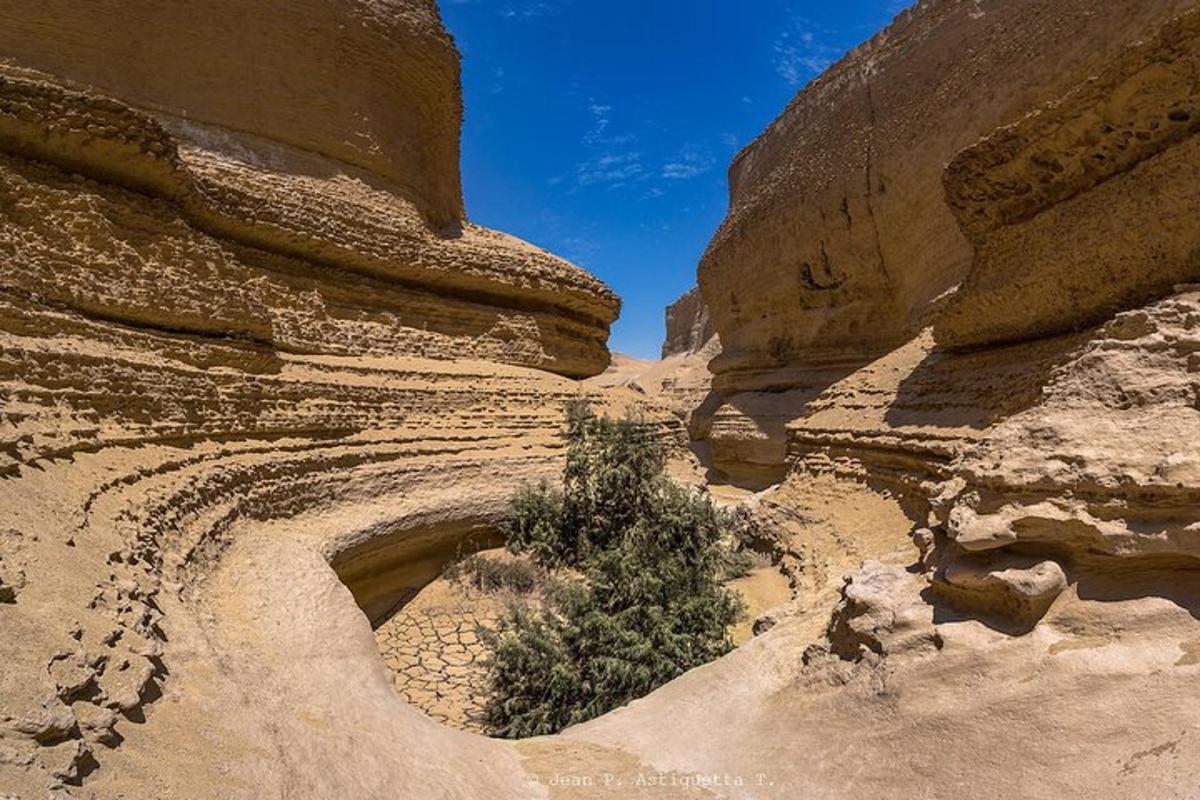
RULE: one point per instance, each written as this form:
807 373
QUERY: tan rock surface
689 325
838 237
373 83
249 392
1048 483
335 256
682 381
252 392
1111 168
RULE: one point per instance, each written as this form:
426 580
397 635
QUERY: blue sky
601 129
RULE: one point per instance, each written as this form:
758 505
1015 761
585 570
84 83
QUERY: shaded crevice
869 172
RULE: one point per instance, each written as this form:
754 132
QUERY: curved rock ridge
1111 168
254 392
373 83
343 264
838 238
257 375
169 399
171 503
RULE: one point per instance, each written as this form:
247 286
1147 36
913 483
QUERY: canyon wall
839 244
680 379
957 299
258 376
689 325
372 83
358 245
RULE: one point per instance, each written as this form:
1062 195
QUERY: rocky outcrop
1005 373
1069 447
837 186
838 237
258 378
369 83
1111 169
689 325
681 379
309 254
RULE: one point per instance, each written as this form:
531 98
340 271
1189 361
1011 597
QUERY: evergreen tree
649 605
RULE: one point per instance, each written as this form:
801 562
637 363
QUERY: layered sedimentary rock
1052 404
258 379
991 496
840 245
1110 169
372 83
307 253
681 382
681 378
689 325
838 236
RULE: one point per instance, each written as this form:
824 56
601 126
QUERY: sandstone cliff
258 376
838 236
840 245
681 379
359 246
989 396
689 325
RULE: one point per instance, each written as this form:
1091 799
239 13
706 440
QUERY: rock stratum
958 279
239 297
689 325
259 378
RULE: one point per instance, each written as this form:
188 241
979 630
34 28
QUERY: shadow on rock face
978 389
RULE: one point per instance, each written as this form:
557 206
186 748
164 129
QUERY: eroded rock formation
840 245
1025 400
311 249
258 377
689 325
1111 169
257 373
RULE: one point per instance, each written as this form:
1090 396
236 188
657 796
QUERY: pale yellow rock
260 379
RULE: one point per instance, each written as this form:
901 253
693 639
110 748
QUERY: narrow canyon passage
262 380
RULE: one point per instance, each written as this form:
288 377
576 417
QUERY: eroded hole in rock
435 643
385 576
434 638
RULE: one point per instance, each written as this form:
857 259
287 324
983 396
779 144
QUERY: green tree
649 604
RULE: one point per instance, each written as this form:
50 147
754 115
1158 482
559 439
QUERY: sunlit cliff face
372 84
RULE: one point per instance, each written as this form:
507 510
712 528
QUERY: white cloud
600 124
689 162
804 51
513 9
526 10
610 169
613 161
